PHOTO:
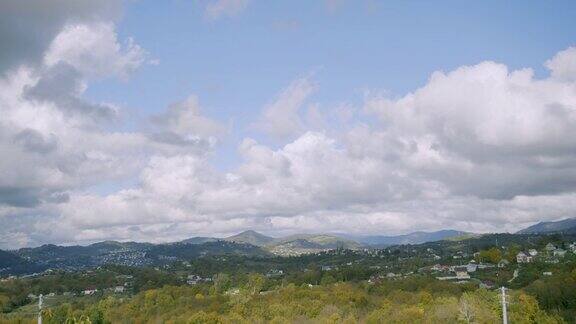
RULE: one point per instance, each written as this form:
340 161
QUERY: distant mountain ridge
411 238
250 237
310 243
247 243
567 226
76 257
199 240
293 244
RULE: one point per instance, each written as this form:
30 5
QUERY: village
488 268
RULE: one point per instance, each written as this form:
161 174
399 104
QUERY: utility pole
40 309
504 311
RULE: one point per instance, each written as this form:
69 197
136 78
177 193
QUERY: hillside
309 243
14 264
250 237
288 245
28 260
199 240
411 238
564 226
171 252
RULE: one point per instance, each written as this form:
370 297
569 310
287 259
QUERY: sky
142 120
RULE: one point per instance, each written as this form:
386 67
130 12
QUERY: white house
462 275
89 291
193 279
522 257
471 267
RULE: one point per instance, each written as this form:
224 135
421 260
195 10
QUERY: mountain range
411 238
251 237
247 243
288 245
566 226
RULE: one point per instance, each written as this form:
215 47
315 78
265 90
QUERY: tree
492 255
221 282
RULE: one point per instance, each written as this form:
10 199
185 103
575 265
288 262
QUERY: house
462 275
487 284
522 257
274 273
439 267
471 267
552 260
118 289
547 273
483 266
550 247
461 272
533 252
503 263
193 279
376 278
326 268
89 291
559 253
232 291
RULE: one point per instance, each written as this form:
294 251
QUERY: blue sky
237 65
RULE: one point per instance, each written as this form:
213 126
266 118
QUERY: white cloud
486 131
479 148
225 8
27 27
184 118
94 51
281 118
563 64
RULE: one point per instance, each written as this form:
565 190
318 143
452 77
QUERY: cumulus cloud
281 118
184 119
486 131
29 26
225 8
94 51
53 141
563 64
478 148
